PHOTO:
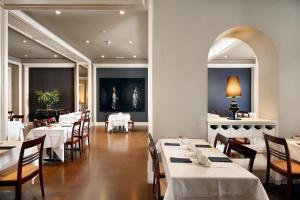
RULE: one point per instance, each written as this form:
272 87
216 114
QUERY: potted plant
48 98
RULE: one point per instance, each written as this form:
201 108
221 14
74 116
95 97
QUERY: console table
244 128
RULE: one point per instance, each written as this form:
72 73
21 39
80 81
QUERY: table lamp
233 90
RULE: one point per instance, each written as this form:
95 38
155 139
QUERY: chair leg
80 147
88 138
153 186
42 183
72 152
267 176
19 192
289 187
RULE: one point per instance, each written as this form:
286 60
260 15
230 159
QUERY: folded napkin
203 145
180 160
219 159
172 144
7 147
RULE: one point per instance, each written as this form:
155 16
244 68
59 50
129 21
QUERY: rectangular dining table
56 136
190 181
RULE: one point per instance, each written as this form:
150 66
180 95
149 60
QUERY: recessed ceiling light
103 31
119 57
24 41
122 12
134 56
55 56
107 42
225 56
58 12
130 42
25 55
87 42
102 56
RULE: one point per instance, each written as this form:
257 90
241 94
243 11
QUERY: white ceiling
238 51
75 27
18 48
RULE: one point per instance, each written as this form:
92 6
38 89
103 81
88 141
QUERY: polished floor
115 168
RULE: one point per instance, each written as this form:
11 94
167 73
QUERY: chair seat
11 174
69 140
163 186
281 164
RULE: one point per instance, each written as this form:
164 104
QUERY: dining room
135 99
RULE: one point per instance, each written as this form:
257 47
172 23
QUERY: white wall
183 32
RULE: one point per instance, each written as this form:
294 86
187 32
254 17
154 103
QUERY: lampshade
233 88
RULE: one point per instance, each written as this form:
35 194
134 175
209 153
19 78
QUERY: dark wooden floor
114 169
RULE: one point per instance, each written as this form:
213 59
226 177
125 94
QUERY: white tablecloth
15 130
119 119
69 118
226 181
56 136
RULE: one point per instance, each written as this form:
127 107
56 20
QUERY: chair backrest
39 123
106 115
244 150
280 144
86 126
29 145
132 118
87 114
18 118
10 114
51 120
76 130
223 140
155 162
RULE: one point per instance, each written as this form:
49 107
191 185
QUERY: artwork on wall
122 94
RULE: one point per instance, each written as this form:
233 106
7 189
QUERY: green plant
48 98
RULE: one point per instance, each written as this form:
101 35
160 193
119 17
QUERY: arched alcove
266 73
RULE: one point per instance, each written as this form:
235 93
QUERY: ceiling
78 26
18 48
235 50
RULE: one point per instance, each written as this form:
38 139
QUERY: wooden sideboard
244 128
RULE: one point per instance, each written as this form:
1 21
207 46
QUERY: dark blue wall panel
217 79
123 73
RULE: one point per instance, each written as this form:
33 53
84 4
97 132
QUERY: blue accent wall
123 73
217 80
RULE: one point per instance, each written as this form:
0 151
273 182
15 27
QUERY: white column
76 87
90 91
3 74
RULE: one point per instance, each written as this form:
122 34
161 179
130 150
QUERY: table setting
196 170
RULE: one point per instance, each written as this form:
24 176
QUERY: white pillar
76 87
3 73
90 91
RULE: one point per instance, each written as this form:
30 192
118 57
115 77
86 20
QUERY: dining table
118 120
15 130
56 136
221 179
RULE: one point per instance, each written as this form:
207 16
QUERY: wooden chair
10 114
223 140
131 122
87 114
18 118
64 112
106 115
83 114
51 120
39 123
282 162
159 183
242 149
74 139
25 170
160 166
85 132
